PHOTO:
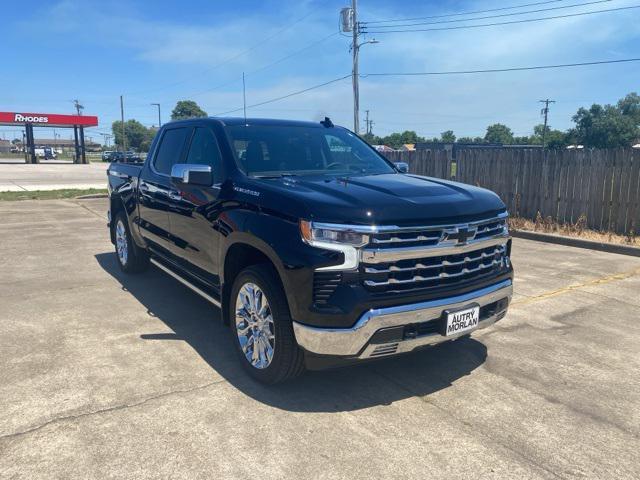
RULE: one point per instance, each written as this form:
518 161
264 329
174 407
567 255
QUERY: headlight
339 238
339 234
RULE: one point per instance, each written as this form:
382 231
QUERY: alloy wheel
254 326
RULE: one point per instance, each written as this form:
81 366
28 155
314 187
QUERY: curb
576 242
92 195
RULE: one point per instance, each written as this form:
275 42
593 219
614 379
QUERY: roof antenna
244 100
327 123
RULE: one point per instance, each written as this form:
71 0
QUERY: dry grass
577 229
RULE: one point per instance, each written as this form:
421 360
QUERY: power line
285 96
511 22
496 70
450 72
275 62
468 13
512 14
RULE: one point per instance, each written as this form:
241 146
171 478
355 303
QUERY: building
5 146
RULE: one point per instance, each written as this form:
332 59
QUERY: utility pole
79 107
349 23
124 138
545 112
368 123
355 72
159 118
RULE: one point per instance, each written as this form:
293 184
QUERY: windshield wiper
277 175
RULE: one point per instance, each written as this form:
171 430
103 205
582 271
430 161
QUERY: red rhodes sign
47 119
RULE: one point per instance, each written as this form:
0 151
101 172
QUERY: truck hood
381 199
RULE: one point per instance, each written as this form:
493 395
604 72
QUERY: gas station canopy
30 120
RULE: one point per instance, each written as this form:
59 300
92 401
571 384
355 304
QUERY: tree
499 133
187 109
608 126
137 135
16 141
630 106
523 140
371 139
553 138
447 137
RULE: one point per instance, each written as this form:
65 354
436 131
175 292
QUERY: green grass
51 194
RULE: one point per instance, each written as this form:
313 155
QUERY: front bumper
392 330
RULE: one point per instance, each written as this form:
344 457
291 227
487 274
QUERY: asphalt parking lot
106 376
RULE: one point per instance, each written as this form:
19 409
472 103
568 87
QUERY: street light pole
159 118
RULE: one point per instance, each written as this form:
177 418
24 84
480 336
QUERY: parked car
106 155
47 153
318 250
126 157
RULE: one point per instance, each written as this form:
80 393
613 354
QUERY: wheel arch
240 254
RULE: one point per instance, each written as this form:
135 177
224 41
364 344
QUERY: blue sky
163 51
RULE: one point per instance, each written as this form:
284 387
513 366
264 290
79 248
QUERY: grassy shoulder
51 194
575 230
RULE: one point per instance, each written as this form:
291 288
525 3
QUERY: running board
185 282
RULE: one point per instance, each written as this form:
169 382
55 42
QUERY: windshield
266 151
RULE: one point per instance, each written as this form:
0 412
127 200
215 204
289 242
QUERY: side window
204 151
170 149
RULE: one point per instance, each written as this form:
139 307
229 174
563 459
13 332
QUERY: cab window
170 149
204 151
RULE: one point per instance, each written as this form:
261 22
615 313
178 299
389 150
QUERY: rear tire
131 258
261 326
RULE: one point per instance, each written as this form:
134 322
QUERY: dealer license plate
462 321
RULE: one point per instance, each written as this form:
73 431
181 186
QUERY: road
49 175
106 375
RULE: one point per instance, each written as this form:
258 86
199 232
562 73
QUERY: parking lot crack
101 411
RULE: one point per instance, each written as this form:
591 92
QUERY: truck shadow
195 321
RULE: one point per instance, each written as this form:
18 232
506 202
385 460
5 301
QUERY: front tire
262 328
131 258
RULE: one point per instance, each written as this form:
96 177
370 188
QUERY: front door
195 209
155 189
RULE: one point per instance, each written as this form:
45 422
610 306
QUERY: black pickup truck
318 250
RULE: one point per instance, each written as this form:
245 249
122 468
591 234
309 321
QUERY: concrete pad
46 176
108 375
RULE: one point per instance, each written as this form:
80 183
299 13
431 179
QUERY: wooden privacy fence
601 186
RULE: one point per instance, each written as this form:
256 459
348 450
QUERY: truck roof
233 121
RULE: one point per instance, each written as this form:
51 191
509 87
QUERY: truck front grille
407 258
434 271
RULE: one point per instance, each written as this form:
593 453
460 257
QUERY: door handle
144 187
175 196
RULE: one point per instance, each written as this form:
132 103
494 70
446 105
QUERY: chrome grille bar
421 278
393 244
446 263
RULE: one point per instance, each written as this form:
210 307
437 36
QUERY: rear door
155 189
195 209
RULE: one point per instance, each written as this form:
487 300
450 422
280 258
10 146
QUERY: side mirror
403 167
192 174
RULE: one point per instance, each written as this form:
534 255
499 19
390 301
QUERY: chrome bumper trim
349 342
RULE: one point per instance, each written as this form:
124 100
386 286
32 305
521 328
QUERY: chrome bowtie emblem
462 234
